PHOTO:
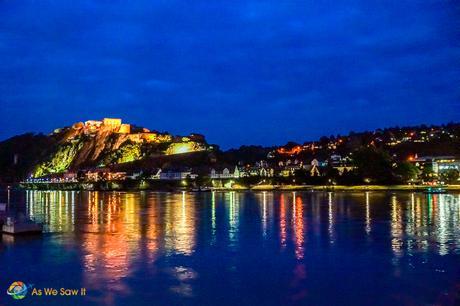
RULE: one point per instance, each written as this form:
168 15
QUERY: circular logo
17 290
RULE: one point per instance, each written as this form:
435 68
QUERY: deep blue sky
240 72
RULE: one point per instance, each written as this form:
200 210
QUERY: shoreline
356 187
236 187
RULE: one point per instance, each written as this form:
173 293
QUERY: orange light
294 150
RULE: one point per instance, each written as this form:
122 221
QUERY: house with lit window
177 174
341 164
104 174
437 164
225 173
258 169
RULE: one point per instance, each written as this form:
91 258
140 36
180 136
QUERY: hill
87 145
110 143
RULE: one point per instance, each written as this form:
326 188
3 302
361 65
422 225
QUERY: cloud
185 65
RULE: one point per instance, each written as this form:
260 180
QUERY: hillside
87 145
20 154
400 142
112 144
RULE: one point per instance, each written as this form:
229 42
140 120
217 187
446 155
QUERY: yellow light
182 147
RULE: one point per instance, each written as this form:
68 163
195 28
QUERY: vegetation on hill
378 157
20 154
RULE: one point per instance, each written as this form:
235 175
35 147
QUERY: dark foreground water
304 248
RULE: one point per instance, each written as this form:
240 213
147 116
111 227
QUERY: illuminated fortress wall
112 122
124 129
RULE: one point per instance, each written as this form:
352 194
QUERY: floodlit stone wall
124 129
112 122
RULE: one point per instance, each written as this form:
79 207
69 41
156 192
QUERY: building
112 122
104 174
442 164
90 126
437 164
124 128
314 171
156 173
289 169
116 125
69 176
341 164
225 173
257 170
176 175
135 175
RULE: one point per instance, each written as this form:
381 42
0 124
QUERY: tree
351 177
450 176
188 181
332 173
427 174
202 181
406 171
301 175
373 165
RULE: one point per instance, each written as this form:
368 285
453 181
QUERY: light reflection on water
416 220
125 241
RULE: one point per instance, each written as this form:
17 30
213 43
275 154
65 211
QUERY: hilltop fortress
115 125
100 143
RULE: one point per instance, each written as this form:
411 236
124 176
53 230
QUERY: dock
17 225
13 227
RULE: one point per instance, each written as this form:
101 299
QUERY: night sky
240 72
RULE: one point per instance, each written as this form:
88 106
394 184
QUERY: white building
176 175
225 173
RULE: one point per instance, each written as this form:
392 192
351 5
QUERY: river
237 248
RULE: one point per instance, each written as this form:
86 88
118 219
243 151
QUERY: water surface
266 248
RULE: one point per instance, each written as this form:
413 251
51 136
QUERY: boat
14 227
435 190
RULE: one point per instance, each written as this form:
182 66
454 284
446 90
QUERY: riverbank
353 188
172 186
